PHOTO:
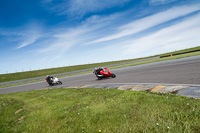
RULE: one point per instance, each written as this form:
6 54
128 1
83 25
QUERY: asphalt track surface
179 71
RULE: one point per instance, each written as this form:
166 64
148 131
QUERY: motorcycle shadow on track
99 80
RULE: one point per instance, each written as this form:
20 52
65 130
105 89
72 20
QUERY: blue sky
43 34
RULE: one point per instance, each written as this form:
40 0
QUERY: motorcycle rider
49 78
97 70
101 72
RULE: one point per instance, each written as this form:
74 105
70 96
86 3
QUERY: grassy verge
91 110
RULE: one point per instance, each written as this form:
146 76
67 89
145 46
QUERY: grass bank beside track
159 59
179 52
90 110
53 71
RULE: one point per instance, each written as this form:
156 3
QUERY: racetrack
178 71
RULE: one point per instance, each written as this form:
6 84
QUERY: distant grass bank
180 52
91 110
52 71
159 59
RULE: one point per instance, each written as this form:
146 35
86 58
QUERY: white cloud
63 41
65 38
160 2
22 36
79 8
150 21
179 36
29 39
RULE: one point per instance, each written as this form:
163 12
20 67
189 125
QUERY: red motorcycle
103 73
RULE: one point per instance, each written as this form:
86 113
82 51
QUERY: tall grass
91 110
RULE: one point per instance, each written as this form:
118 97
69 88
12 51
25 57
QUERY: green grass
91 110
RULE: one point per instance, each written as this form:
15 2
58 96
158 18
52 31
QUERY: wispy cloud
23 36
66 39
60 42
79 8
160 2
179 36
150 21
29 38
63 32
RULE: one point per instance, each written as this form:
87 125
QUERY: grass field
38 73
97 110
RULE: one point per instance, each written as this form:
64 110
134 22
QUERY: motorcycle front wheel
99 78
113 75
59 82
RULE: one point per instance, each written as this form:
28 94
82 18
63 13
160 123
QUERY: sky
40 34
